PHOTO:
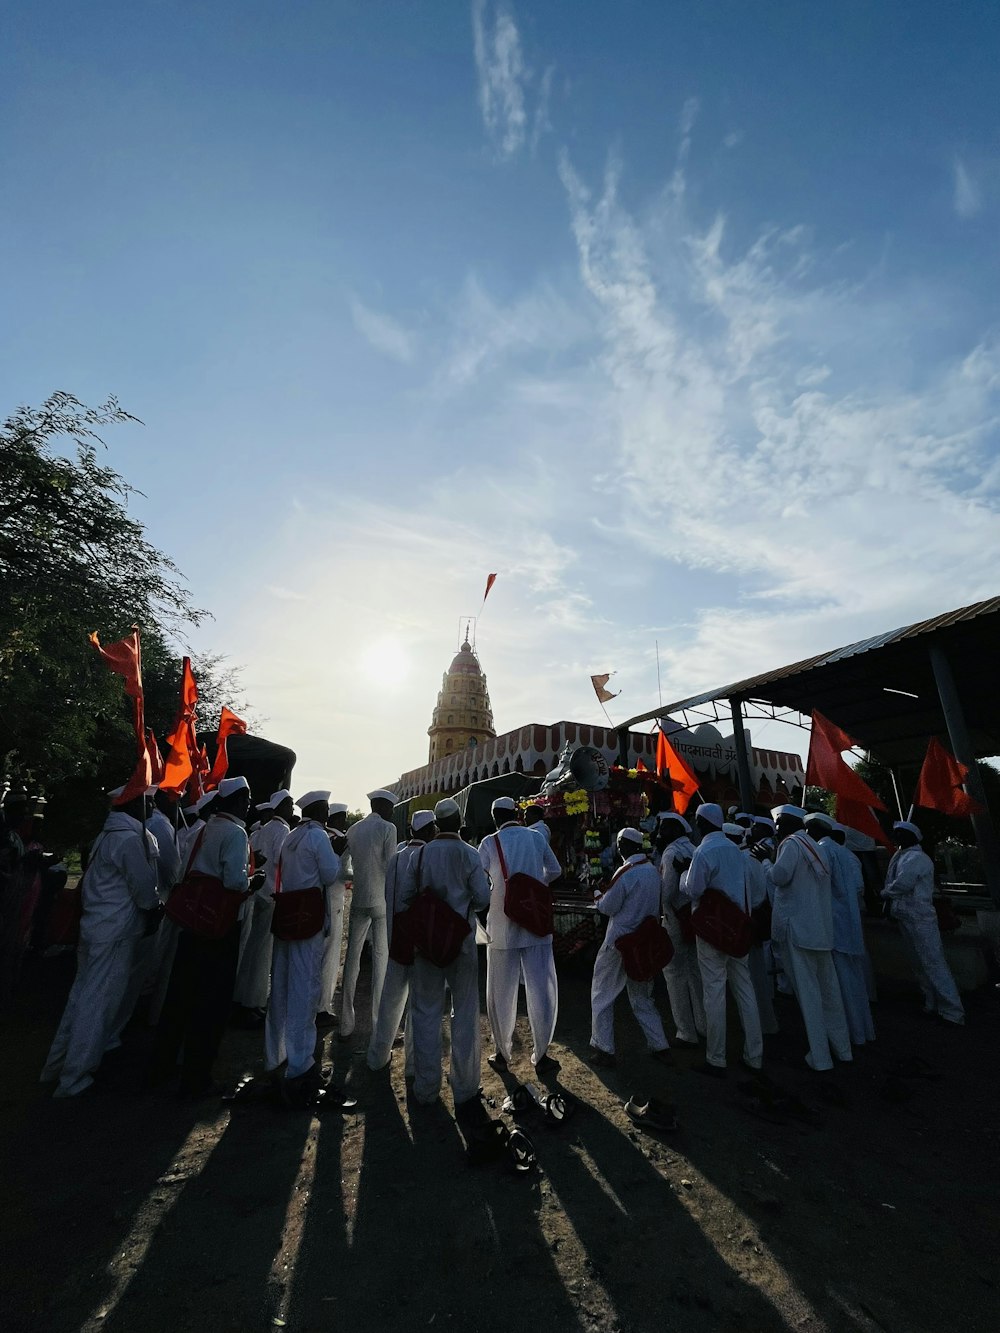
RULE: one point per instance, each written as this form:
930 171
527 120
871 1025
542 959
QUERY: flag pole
659 689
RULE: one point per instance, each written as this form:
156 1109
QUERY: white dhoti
850 969
427 984
253 971
923 940
362 921
609 981
332 947
92 1007
164 951
505 968
814 981
717 969
141 976
683 978
290 1028
763 989
392 1006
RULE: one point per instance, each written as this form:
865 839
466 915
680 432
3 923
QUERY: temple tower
463 716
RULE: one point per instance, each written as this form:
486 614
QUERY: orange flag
181 761
676 773
125 659
827 768
490 580
940 784
229 725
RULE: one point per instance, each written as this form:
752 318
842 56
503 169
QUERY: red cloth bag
526 900
428 927
297 916
646 950
722 923
202 904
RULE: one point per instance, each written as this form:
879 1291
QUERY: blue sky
681 317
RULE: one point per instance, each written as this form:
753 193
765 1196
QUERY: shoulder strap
503 861
195 850
420 862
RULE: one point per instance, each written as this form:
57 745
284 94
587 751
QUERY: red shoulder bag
722 923
201 903
299 915
526 900
428 927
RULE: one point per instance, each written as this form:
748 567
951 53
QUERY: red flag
640 767
490 580
939 786
125 659
860 817
827 769
676 773
182 759
158 768
229 725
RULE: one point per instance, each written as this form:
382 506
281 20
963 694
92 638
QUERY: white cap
276 797
264 805
763 819
312 798
383 795
202 801
421 818
629 835
793 812
230 786
445 807
742 814
664 815
820 817
503 803
711 813
908 827
733 830
338 808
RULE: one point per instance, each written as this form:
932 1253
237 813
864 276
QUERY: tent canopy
882 690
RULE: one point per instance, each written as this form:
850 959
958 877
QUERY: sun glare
384 663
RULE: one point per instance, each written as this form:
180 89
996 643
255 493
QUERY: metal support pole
748 797
958 734
623 746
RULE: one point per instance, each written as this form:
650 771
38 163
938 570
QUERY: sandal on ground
651 1114
521 1150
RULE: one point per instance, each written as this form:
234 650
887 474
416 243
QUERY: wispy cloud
968 197
384 333
502 76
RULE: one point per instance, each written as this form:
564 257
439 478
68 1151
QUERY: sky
681 318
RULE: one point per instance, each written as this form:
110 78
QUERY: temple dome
463 716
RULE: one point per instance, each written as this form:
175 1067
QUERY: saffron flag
157 766
827 768
229 725
676 773
857 816
599 682
181 762
490 580
125 659
939 786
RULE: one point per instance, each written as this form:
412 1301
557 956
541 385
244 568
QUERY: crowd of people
209 913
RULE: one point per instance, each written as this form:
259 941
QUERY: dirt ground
124 1211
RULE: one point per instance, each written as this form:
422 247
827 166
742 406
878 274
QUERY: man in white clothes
336 827
253 973
372 844
682 974
118 886
305 863
750 839
909 889
802 925
534 818
847 888
451 869
719 864
514 953
633 894
396 988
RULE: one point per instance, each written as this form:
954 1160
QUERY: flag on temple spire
490 580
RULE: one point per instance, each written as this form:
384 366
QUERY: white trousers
362 921
331 950
165 950
923 940
608 983
142 974
683 978
814 981
93 1004
717 969
290 1027
504 970
253 971
850 969
427 984
395 994
763 989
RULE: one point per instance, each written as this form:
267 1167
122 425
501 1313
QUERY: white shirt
452 869
847 885
306 858
756 879
224 852
803 909
372 843
681 849
119 882
718 864
268 842
542 829
394 875
909 883
633 895
526 854
168 865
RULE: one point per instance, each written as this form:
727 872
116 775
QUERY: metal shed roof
856 686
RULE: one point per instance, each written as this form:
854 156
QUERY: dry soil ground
124 1211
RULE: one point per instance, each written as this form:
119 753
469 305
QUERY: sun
384 663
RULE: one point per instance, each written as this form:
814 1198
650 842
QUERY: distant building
462 718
